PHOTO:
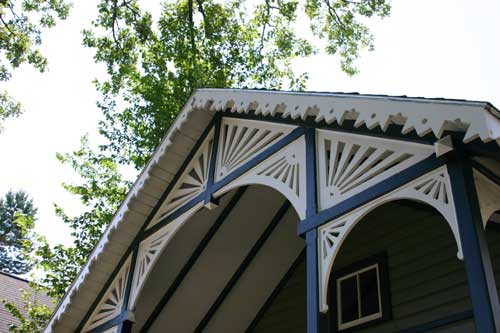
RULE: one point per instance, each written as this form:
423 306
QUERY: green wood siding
427 281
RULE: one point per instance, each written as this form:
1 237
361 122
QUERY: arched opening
222 265
417 279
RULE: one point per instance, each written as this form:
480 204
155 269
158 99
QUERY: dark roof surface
11 289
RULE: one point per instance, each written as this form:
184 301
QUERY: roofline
15 277
197 106
403 98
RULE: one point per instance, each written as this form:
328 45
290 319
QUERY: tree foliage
153 68
154 64
33 316
21 22
12 233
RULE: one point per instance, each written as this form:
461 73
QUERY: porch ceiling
477 120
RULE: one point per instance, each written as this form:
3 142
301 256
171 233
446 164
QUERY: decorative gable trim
111 304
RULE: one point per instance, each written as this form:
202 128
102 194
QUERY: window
361 294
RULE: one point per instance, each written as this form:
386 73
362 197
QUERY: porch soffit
477 120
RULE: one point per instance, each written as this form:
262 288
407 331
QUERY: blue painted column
313 315
313 318
483 291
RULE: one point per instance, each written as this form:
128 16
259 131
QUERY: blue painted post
313 319
483 291
313 315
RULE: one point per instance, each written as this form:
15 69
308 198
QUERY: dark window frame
379 259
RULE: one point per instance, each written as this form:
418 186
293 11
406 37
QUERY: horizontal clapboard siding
427 281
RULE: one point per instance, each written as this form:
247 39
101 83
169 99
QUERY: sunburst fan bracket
350 163
192 182
434 188
487 193
285 171
111 304
240 140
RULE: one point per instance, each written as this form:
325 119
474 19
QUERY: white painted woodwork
285 171
192 182
433 188
443 146
350 163
150 250
111 303
240 140
476 119
488 194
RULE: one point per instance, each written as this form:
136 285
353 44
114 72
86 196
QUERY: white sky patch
446 48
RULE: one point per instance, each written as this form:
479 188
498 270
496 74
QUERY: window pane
349 299
368 287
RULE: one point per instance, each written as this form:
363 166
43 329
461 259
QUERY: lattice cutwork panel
349 163
111 303
192 182
434 188
150 249
488 195
240 140
284 171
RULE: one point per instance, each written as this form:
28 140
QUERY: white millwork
240 140
488 195
111 303
284 171
476 119
351 163
150 250
192 182
112 330
433 188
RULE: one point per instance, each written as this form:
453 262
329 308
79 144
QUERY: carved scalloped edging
422 115
433 188
488 195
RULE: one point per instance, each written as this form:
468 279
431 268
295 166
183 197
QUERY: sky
429 48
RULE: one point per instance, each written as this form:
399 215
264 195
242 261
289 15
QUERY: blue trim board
486 172
313 316
477 260
448 320
192 259
269 301
371 193
486 149
244 265
213 159
311 178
